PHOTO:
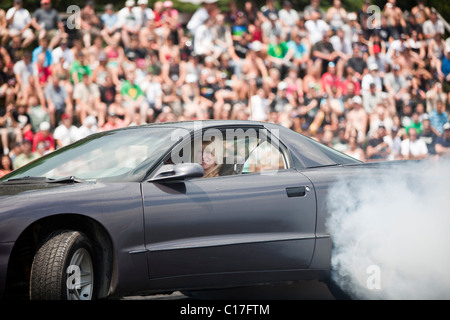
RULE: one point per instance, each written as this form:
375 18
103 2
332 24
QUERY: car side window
265 157
235 155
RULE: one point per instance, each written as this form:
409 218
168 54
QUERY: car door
247 222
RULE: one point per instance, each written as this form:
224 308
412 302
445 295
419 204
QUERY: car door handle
296 191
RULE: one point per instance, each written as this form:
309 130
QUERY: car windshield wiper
30 180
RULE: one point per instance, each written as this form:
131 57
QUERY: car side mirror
181 171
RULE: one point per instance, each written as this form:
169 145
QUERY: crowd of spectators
374 87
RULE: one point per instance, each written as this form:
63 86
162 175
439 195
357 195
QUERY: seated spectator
128 22
377 148
413 148
87 100
438 118
19 23
443 142
428 136
47 23
6 165
90 23
25 156
44 135
58 100
111 27
66 133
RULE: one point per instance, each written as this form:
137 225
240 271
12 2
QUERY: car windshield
112 155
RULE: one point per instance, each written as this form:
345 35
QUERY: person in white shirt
19 22
143 13
66 133
259 106
316 27
128 22
413 148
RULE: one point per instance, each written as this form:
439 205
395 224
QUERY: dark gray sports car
175 206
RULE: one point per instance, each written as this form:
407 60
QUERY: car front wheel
63 268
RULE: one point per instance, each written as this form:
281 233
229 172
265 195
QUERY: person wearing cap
143 13
19 22
357 119
128 21
372 77
44 134
443 142
46 22
331 81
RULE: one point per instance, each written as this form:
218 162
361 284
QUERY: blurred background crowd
374 86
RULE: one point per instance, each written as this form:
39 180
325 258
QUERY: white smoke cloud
391 232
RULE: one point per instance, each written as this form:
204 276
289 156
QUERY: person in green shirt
277 50
78 68
415 123
133 96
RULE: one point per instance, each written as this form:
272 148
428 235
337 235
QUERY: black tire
56 273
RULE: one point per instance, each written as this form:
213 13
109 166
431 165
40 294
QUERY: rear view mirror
182 171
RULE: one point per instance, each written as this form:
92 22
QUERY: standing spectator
47 23
66 133
44 135
443 142
413 148
19 23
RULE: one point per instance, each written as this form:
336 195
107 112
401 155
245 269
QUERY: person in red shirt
331 80
44 135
